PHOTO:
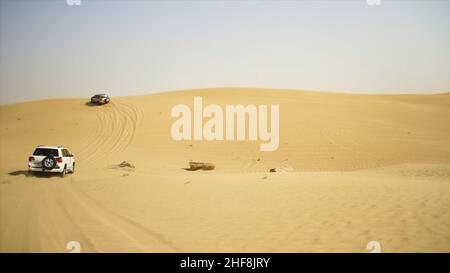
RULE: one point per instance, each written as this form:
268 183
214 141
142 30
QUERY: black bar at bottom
223 262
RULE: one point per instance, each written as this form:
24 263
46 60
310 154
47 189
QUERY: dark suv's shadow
90 104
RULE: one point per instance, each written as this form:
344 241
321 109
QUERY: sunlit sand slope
366 168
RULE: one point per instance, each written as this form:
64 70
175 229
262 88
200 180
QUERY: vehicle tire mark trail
112 230
94 143
117 124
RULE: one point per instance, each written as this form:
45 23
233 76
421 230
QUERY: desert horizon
355 168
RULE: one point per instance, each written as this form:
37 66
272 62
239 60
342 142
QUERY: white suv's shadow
33 174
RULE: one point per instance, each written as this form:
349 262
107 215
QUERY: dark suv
100 99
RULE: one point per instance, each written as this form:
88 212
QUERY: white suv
55 159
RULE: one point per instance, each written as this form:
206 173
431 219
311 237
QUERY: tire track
41 222
116 128
49 215
109 231
95 142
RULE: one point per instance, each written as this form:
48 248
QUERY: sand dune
367 168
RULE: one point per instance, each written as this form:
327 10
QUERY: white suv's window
46 152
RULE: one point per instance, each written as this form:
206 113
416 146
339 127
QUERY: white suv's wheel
64 171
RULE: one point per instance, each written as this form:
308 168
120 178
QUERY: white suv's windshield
46 152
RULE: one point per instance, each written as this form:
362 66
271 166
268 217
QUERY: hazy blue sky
50 49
